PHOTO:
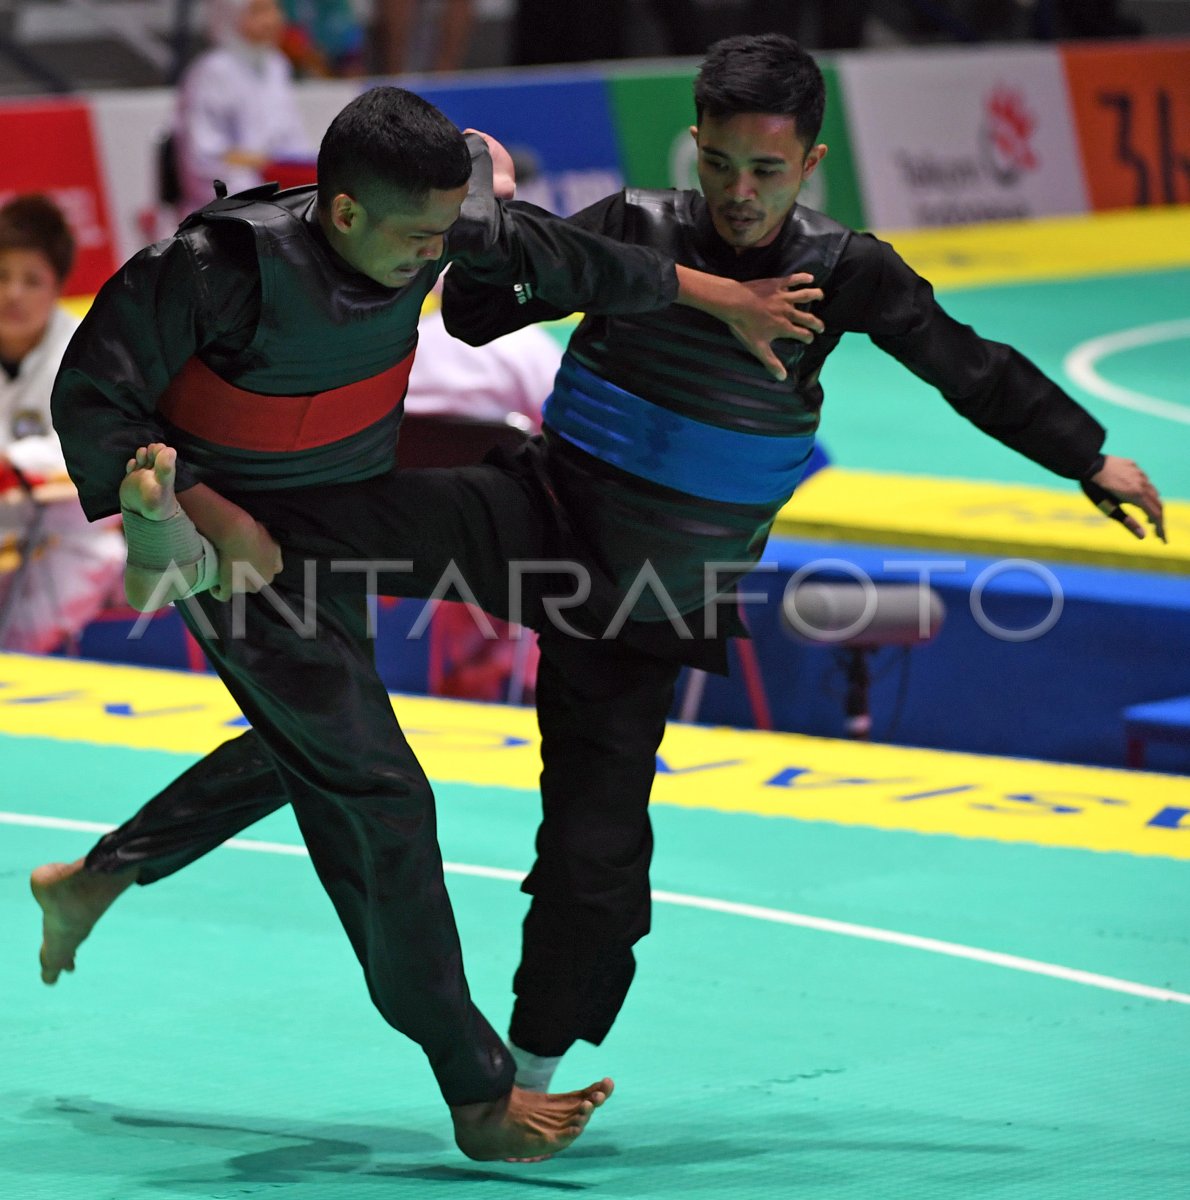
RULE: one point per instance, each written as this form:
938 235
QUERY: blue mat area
1058 696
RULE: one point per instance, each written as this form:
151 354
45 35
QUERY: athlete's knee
361 775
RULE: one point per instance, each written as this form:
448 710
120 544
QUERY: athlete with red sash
268 342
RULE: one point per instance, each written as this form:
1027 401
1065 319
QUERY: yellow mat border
727 770
995 519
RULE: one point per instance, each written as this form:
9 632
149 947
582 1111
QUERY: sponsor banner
48 147
774 775
557 126
834 187
955 137
128 128
653 114
1132 112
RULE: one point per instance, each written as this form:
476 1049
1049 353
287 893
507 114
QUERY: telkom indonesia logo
1008 128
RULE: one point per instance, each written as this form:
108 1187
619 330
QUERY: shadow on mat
310 1150
307 1148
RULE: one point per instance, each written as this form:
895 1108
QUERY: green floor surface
879 417
217 1040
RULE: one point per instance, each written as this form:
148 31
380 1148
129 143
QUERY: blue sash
664 447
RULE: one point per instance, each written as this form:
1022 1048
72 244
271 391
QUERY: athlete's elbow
465 331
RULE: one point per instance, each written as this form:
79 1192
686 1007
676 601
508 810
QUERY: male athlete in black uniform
666 444
269 342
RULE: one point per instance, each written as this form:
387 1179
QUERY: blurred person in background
400 25
77 566
546 31
323 37
825 24
237 107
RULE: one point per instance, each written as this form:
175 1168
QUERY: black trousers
601 708
298 661
324 739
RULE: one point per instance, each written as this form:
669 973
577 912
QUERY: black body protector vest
317 395
668 443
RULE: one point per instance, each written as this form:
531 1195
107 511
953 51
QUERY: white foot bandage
533 1071
174 542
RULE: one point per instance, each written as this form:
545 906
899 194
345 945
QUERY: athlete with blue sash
667 451
667 445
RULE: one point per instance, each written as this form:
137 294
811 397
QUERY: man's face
752 167
393 247
29 289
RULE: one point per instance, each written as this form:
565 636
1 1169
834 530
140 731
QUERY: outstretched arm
478 307
559 266
991 384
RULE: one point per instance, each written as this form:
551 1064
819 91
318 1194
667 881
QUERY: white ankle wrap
157 545
533 1071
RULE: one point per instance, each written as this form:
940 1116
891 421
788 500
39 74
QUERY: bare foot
526 1126
148 485
71 900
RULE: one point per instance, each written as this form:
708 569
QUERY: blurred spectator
824 24
553 31
75 566
1083 19
402 25
323 37
237 109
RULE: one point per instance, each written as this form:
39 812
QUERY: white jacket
235 98
25 403
75 568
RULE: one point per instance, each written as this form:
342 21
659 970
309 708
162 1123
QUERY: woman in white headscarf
237 108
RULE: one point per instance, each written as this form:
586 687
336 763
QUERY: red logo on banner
1010 128
48 147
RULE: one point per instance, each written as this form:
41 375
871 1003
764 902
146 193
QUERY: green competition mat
875 974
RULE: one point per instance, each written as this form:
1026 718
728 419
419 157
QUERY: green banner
653 112
652 115
841 196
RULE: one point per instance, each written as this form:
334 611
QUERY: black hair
388 138
762 73
35 222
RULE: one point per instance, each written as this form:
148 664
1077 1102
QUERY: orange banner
1131 107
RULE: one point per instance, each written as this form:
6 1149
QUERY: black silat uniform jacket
246 342
667 441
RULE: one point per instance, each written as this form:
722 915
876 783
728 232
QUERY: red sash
200 402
